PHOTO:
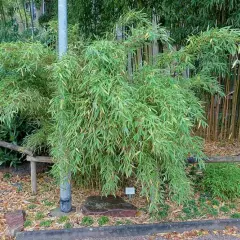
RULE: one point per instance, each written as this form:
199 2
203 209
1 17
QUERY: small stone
15 222
108 206
18 185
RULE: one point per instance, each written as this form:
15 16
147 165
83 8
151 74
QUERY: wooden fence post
34 177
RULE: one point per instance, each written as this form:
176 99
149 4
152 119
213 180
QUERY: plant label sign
129 190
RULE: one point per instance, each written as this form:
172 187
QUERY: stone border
127 230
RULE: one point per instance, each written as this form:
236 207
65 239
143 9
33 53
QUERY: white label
129 190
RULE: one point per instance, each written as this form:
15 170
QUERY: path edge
127 230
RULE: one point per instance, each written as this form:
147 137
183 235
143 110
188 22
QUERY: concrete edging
126 230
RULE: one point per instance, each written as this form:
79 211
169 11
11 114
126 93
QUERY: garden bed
16 194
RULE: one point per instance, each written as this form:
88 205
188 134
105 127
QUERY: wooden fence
222 113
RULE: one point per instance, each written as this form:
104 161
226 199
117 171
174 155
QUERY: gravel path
215 237
207 237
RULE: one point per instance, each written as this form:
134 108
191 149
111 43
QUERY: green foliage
7 176
182 18
215 202
63 219
45 18
106 126
235 215
25 90
14 133
103 220
48 203
224 209
200 208
87 221
38 3
232 206
191 210
39 216
119 223
8 33
45 223
27 223
128 222
222 180
162 212
140 127
32 206
67 225
7 158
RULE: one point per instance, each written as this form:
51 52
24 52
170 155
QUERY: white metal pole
43 7
62 27
65 185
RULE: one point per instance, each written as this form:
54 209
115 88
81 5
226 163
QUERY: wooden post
34 177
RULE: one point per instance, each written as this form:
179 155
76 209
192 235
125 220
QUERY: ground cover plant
222 180
106 126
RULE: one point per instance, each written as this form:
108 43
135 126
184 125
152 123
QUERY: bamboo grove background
222 112
94 18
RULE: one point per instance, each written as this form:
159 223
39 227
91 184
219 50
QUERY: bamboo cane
227 108
224 112
234 105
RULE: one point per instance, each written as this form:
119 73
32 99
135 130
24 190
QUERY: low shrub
235 215
27 223
46 223
103 220
87 221
67 225
39 216
63 219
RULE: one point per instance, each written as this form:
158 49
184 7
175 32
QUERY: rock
15 222
17 184
108 206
